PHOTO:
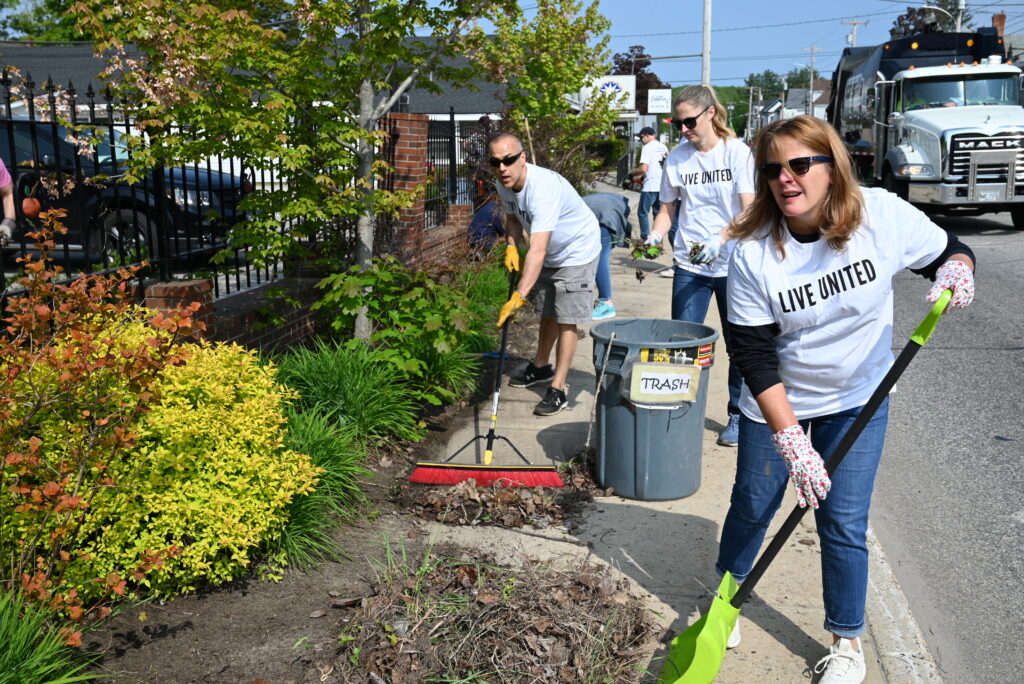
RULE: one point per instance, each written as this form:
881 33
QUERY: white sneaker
842 665
734 638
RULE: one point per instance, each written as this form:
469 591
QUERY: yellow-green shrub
210 476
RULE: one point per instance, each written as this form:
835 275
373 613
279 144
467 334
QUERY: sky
753 35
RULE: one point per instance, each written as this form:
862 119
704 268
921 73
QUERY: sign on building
622 88
659 101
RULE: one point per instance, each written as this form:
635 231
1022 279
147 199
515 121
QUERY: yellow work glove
511 305
511 260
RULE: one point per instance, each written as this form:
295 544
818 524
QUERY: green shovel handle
927 327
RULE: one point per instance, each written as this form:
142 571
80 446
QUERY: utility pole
705 57
750 108
854 24
961 5
810 80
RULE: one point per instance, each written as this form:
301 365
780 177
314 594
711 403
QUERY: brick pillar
168 296
410 172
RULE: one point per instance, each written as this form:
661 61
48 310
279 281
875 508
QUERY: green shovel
695 656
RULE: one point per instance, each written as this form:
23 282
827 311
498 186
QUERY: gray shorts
566 293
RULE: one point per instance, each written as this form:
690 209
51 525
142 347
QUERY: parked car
112 221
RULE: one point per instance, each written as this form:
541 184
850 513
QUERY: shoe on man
603 309
531 375
553 402
730 436
842 665
667 272
734 636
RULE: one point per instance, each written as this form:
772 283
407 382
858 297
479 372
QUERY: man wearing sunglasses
652 156
545 212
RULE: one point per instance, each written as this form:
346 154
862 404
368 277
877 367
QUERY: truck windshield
990 90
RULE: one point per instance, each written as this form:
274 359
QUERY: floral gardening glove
511 259
510 307
806 469
958 277
652 240
709 250
7 227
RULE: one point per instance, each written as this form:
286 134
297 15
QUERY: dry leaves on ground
471 620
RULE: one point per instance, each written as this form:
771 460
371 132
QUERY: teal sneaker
603 309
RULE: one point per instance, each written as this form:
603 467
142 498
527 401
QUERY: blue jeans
842 519
604 271
648 202
691 296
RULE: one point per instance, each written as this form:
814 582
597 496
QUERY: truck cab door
882 131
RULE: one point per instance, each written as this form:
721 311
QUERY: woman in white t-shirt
711 174
811 317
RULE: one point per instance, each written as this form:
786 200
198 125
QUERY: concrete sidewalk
669 548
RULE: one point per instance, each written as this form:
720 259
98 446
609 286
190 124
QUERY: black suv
112 221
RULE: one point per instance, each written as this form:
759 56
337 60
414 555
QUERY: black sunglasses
798 165
507 161
689 121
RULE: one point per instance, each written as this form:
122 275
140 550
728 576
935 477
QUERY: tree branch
385 106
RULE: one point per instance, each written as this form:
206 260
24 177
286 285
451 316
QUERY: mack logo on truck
988 144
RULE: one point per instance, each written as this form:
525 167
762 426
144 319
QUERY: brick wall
255 319
417 246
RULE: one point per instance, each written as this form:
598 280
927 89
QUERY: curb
898 642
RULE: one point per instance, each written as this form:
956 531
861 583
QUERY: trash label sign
663 384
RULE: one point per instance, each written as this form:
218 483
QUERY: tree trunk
365 224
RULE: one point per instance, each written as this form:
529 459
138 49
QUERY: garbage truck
936 119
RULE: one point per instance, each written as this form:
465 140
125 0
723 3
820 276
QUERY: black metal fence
183 220
457 168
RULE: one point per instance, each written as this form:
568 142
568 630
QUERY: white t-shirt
833 308
653 154
709 185
549 204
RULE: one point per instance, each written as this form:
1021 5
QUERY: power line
749 28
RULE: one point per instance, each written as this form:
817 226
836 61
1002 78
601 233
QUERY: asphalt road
948 506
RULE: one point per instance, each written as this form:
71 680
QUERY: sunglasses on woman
689 121
507 161
798 165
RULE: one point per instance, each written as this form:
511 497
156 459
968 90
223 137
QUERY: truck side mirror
894 119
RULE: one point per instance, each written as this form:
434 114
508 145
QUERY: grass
336 448
31 652
353 386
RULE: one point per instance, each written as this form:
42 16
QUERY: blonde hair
703 96
843 205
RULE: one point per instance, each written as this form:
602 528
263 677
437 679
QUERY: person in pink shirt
7 195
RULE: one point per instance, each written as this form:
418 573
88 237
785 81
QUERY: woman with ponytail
711 173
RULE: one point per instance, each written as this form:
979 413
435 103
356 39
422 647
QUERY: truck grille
963 144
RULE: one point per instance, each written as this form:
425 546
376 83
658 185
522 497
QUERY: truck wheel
1018 218
894 185
123 233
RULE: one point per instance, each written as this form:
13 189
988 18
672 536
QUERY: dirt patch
399 609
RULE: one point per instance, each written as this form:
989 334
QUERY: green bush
335 447
410 311
211 477
355 385
31 652
486 289
609 151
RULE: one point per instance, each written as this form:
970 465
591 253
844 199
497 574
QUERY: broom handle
512 281
917 340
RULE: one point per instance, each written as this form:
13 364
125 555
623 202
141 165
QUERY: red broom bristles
485 476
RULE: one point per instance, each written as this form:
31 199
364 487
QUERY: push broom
486 473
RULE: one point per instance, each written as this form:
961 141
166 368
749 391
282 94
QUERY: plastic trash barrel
650 409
